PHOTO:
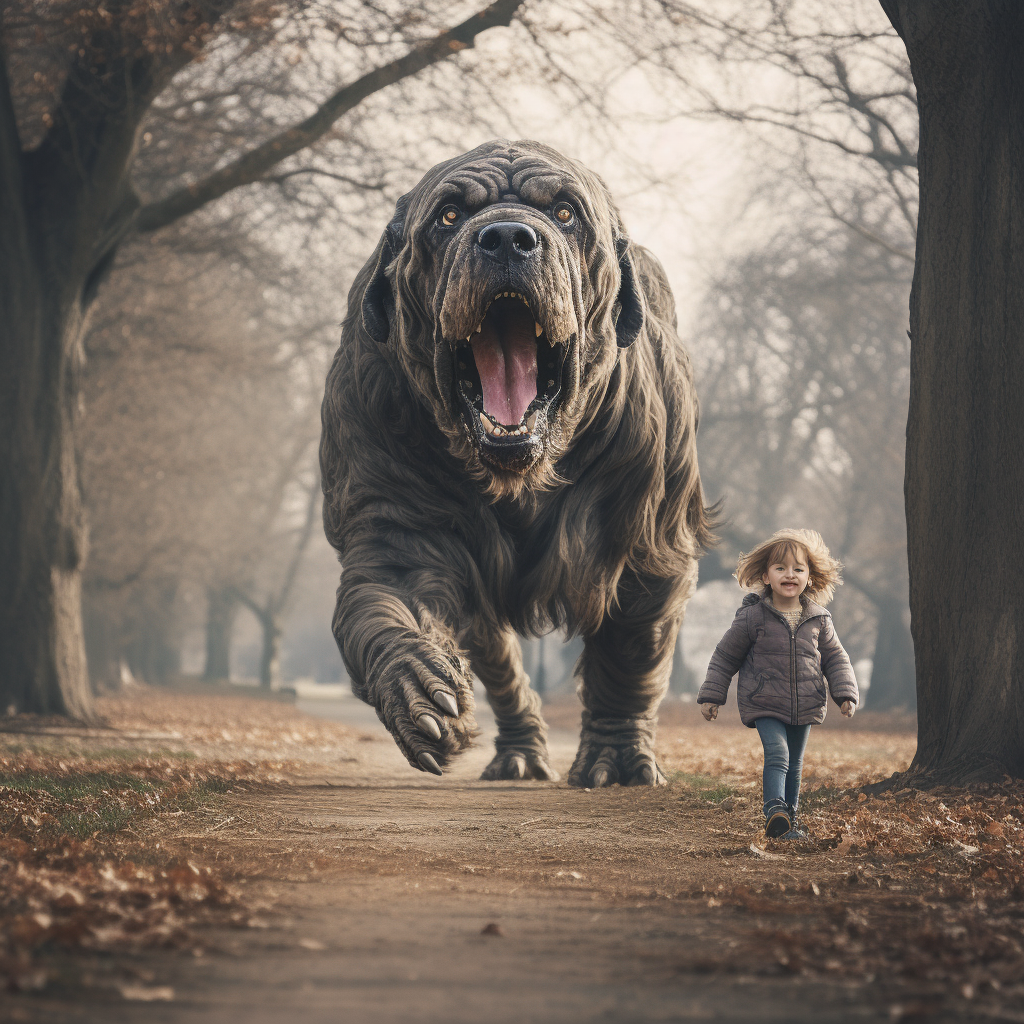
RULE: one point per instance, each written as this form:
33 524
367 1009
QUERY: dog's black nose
508 240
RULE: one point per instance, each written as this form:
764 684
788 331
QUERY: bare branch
345 179
253 165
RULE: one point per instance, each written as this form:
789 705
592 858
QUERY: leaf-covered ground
244 818
84 861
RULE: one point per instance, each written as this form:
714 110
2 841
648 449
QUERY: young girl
785 648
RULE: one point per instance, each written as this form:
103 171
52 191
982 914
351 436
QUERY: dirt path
376 895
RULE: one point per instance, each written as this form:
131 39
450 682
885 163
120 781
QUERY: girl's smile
788 579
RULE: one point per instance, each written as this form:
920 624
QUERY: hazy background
764 151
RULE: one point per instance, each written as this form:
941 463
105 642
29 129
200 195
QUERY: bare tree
803 373
201 397
76 84
279 585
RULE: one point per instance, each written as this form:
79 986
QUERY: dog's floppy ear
631 303
378 308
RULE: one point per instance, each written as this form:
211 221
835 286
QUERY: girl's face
788 577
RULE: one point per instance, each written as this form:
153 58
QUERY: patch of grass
75 785
77 803
704 787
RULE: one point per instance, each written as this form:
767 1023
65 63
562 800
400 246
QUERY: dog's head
505 287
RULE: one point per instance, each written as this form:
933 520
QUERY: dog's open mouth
508 374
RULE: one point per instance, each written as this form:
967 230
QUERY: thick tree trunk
221 608
965 435
42 530
892 672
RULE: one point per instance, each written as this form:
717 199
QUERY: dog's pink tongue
505 351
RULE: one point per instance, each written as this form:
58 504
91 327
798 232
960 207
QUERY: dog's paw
519 764
619 750
424 696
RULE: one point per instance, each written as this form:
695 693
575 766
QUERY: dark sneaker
796 832
777 820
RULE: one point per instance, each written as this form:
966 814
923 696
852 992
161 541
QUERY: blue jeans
783 759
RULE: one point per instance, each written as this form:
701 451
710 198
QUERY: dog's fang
487 424
531 421
537 329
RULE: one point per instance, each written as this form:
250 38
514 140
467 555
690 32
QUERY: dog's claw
600 778
517 766
429 727
428 763
446 702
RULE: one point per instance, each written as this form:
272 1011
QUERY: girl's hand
710 711
848 708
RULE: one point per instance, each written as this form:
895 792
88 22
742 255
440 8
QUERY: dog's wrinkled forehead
500 172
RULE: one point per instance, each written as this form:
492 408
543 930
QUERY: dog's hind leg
522 747
625 672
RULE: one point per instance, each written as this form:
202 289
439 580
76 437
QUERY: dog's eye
449 216
564 214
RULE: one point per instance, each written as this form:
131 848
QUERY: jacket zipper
792 677
794 694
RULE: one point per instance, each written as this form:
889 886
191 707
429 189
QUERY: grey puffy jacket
783 673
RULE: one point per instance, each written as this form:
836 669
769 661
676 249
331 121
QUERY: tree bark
42 530
965 434
221 608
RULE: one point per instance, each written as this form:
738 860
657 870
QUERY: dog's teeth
487 424
537 329
531 421
479 328
499 431
468 337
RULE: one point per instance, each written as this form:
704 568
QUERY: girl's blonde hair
822 568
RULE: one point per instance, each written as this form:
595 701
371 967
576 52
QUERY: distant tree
199 403
802 366
965 434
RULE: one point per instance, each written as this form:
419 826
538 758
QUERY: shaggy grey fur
452 541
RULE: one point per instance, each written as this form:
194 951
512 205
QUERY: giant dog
509 445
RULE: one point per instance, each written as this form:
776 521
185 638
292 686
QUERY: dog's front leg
404 661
